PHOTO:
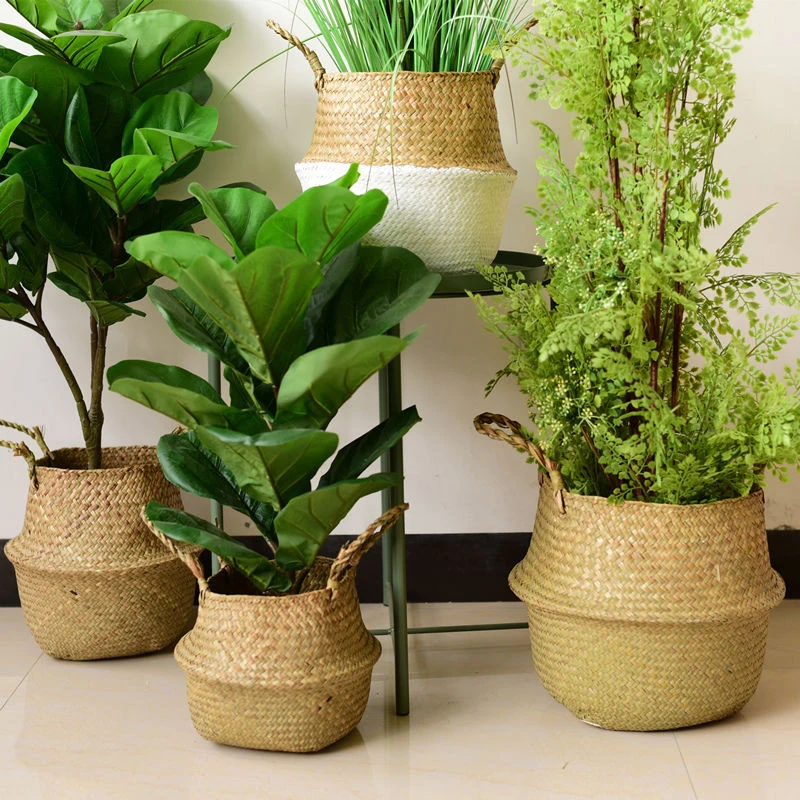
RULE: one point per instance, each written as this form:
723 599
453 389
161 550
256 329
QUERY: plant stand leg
395 593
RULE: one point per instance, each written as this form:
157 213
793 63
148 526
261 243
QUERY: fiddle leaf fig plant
645 375
297 310
110 109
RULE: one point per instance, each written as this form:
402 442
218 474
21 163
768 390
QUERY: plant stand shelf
395 587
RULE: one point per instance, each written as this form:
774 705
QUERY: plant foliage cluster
298 315
645 375
109 109
414 35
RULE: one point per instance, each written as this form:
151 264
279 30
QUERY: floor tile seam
21 681
685 766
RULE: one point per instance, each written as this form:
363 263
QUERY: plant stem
94 444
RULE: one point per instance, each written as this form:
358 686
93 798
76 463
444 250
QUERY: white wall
456 480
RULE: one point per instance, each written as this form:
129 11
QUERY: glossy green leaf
8 58
199 88
79 138
82 49
194 327
238 212
319 382
188 465
109 109
105 312
129 281
172 252
364 451
260 303
162 50
275 466
40 13
184 527
178 394
16 101
323 221
12 207
307 521
89 13
115 10
11 308
335 273
41 45
10 275
386 285
129 180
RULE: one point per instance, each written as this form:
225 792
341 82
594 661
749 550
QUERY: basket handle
499 63
188 554
21 449
503 429
311 56
350 555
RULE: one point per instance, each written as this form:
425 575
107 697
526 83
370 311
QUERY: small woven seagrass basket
93 582
431 142
283 672
645 616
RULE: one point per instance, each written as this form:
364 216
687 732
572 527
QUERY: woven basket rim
43 466
412 75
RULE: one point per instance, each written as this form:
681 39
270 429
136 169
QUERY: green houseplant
118 112
643 386
298 316
414 104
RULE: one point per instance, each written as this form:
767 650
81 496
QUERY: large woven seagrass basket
647 616
431 142
93 582
289 672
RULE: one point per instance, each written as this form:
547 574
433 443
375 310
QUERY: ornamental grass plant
651 369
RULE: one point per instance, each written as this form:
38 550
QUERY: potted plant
280 658
413 103
648 580
117 112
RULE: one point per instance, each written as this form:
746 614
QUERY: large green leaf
128 180
335 273
56 82
323 221
191 467
41 14
41 45
275 466
79 140
193 326
183 527
106 312
307 521
178 394
362 452
320 381
386 285
162 50
260 303
87 13
10 275
10 308
16 101
8 58
129 281
238 212
115 10
12 208
172 252
109 109
82 49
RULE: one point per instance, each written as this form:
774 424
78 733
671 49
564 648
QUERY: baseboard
463 567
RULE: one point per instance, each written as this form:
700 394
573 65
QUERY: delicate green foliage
417 35
267 314
641 383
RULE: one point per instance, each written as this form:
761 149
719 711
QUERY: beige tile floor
481 727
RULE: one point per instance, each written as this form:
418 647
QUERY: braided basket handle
21 449
350 555
189 554
311 56
503 429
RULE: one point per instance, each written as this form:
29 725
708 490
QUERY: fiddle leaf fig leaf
115 10
162 50
16 102
238 212
11 308
172 252
260 303
184 527
43 46
79 138
305 523
82 49
128 181
323 221
272 467
41 14
319 382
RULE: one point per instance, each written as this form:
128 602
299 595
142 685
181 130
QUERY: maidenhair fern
645 376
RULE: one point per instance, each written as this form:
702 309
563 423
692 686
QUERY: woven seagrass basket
431 142
93 582
647 616
284 672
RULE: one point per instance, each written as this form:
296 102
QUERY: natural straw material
92 580
287 672
646 616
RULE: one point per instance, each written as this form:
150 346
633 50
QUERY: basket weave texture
93 582
646 616
287 673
